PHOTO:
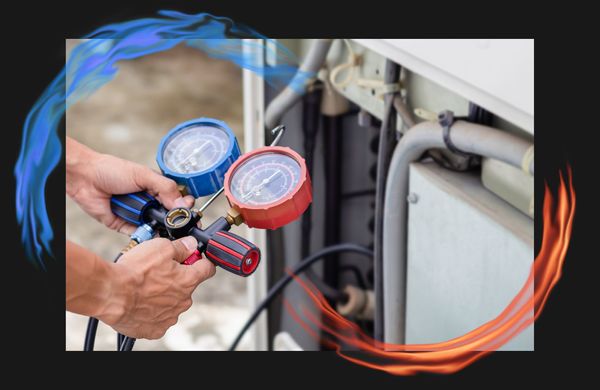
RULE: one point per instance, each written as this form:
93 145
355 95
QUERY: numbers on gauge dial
195 149
265 178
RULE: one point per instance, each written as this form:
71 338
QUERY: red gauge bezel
281 212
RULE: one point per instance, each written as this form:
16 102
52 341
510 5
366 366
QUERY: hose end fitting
142 233
360 303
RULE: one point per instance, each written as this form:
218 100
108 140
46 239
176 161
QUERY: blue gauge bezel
210 180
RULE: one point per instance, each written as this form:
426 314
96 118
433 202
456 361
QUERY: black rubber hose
120 338
332 147
90 334
311 117
127 344
286 279
92 328
387 141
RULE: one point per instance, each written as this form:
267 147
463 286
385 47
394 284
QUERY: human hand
151 288
92 178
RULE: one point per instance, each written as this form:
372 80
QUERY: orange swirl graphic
455 354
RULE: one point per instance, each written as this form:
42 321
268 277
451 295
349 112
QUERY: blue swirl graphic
93 63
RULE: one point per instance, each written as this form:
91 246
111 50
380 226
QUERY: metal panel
254 102
469 253
496 74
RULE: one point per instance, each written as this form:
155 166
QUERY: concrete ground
127 118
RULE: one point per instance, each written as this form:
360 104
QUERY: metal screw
248 261
412 198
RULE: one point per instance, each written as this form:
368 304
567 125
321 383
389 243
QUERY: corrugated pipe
313 61
468 137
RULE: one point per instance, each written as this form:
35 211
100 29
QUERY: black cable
311 118
358 193
127 344
92 328
90 334
120 338
286 279
360 278
332 149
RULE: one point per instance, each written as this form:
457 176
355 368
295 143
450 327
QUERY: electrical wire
286 279
92 328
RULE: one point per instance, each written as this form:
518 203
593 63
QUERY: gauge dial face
195 149
265 179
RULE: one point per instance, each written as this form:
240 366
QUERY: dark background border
33 318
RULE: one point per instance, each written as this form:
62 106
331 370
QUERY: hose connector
142 233
360 303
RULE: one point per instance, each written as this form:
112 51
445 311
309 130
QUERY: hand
151 288
92 178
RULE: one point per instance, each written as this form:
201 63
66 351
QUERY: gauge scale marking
265 179
270 187
197 153
195 149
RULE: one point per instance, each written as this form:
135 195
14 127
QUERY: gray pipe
468 137
313 61
407 117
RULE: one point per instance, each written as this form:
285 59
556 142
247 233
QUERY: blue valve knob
132 207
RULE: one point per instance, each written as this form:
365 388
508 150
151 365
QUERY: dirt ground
127 118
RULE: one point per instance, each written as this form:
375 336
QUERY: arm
144 293
89 281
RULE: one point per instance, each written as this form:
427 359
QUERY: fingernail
190 243
180 202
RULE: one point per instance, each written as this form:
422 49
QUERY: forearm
78 159
90 281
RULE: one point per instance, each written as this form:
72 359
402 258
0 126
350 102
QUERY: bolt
412 198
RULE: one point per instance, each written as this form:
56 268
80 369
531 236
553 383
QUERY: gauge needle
260 186
194 152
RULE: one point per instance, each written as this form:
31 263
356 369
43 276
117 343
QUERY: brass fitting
197 211
129 246
234 217
182 190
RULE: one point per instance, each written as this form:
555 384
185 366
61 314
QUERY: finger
120 225
184 247
200 271
126 228
163 188
186 201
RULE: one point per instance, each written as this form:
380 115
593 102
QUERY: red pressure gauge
269 186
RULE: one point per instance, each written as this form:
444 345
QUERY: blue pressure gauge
197 154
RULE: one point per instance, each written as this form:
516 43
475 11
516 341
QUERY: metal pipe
313 61
404 112
387 142
468 137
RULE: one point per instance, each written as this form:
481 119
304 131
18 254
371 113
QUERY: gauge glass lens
195 148
265 179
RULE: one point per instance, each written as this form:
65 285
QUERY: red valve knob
194 257
233 253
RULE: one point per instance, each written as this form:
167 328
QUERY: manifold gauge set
267 188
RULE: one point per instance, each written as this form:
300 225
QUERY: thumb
184 247
162 187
